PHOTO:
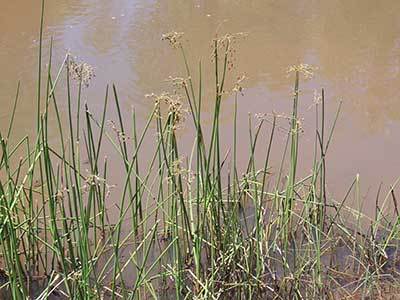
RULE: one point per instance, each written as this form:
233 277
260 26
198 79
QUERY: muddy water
354 44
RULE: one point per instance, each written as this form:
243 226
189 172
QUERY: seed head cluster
173 38
176 111
227 43
305 69
80 72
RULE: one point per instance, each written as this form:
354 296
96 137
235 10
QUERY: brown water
355 45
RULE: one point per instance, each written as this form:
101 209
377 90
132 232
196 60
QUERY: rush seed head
173 38
80 72
305 69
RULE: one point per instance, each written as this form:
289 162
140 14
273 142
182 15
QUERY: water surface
354 44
